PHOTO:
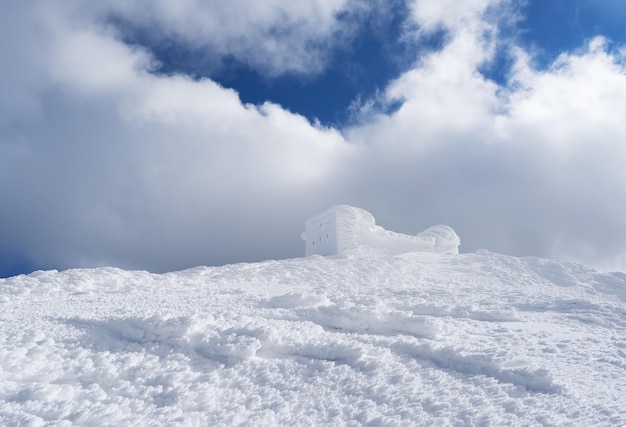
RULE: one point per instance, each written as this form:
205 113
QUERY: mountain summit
418 338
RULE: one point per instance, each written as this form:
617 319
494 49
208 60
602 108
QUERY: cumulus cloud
123 167
450 14
273 37
104 162
531 168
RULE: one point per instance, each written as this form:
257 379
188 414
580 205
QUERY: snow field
415 339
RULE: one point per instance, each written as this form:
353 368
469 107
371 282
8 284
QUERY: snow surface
414 339
348 231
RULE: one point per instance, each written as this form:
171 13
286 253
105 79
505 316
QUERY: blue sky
161 135
564 25
378 53
372 56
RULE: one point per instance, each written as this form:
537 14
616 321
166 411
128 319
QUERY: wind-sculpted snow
414 339
347 231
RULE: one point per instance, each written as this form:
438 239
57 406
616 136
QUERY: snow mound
348 231
444 237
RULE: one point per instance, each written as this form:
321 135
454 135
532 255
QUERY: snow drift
348 231
421 338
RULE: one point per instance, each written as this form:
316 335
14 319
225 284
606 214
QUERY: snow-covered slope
415 339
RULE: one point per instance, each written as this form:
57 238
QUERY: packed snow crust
415 339
348 231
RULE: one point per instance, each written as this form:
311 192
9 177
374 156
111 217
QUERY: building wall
321 234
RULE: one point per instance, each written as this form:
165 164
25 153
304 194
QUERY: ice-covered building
347 231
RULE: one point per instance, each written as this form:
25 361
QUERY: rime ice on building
348 231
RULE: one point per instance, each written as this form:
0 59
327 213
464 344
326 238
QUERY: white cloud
533 168
124 167
581 92
103 162
274 36
451 15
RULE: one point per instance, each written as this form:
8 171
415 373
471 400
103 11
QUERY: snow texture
415 339
348 231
